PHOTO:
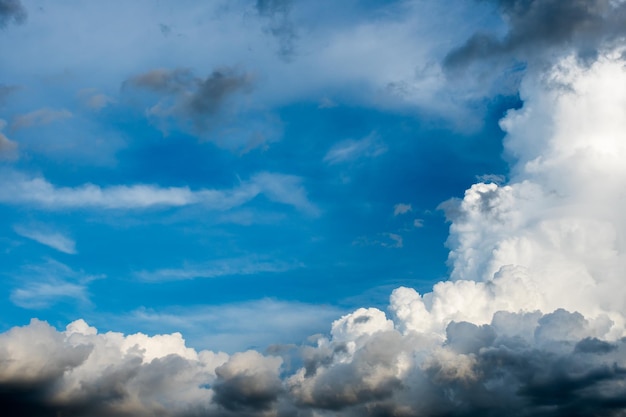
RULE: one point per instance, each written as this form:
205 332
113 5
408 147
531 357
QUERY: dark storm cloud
520 365
278 12
537 27
11 11
247 382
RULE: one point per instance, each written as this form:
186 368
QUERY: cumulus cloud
531 322
39 117
53 239
12 11
17 188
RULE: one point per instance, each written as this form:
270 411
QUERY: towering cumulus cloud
531 322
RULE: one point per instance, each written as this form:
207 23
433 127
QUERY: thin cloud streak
52 239
20 189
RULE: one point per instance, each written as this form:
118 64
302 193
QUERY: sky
313 208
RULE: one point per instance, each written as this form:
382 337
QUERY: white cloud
401 208
40 286
248 265
285 189
49 238
349 150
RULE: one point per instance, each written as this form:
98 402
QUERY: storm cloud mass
531 320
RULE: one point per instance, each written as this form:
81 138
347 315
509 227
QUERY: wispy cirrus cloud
18 188
43 285
349 150
47 237
248 265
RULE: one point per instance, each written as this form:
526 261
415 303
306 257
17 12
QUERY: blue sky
313 208
321 118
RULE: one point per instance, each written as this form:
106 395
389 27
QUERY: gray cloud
278 12
192 98
538 27
364 368
12 11
206 107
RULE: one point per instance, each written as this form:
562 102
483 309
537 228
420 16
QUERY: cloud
280 24
39 117
55 240
248 265
350 150
43 285
537 28
7 146
391 240
94 100
12 11
401 208
207 107
20 189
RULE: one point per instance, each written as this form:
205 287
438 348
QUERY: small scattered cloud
247 265
12 11
40 117
94 100
417 223
349 150
166 30
208 107
401 208
8 147
386 240
55 240
326 103
189 97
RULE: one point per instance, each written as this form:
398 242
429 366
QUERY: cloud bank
531 322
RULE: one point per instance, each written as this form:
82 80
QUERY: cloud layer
531 322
